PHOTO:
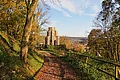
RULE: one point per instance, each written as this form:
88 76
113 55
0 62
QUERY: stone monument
52 37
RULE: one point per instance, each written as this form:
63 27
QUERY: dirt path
55 69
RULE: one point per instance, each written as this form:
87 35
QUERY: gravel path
55 69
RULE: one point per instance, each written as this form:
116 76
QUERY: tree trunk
31 7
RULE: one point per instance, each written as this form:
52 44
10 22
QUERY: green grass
15 69
35 61
11 66
82 69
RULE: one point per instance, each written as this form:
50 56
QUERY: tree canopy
107 41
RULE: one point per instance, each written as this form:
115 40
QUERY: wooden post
116 72
86 60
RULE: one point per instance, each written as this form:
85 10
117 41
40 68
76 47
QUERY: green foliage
4 36
50 47
12 17
11 42
16 47
2 50
106 41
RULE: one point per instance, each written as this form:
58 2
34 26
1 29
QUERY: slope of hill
82 40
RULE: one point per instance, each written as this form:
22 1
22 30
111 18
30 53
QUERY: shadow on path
55 69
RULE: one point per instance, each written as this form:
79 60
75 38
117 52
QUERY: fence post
86 59
116 72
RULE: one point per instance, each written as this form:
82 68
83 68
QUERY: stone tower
52 37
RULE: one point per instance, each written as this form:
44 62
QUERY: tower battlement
52 37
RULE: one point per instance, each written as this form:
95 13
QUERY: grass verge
35 62
12 68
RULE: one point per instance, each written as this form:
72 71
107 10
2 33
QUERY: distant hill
82 40
78 38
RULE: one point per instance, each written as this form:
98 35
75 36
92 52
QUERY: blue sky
73 17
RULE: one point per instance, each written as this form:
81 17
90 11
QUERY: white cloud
95 10
66 14
53 23
68 5
75 6
58 7
82 5
92 15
